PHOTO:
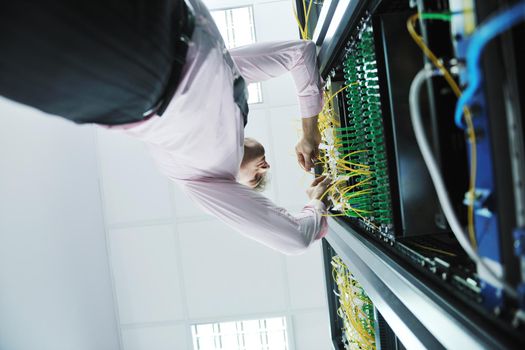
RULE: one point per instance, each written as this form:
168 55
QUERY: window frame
263 330
258 99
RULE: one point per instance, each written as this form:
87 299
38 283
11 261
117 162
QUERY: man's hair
263 182
255 149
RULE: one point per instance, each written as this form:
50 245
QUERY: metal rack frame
419 316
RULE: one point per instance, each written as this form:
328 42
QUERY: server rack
426 290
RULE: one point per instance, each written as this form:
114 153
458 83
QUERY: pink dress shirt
198 142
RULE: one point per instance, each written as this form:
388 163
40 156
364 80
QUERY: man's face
254 165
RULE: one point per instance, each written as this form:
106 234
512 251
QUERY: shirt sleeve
262 61
256 217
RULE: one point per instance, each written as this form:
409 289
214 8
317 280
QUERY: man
195 131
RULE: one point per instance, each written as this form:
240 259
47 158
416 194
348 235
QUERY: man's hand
307 149
318 188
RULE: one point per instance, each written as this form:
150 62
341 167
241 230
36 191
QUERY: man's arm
263 61
307 149
258 218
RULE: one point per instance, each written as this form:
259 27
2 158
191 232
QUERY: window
237 29
265 334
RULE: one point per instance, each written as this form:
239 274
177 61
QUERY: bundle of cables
486 32
343 192
306 13
353 155
336 165
356 309
353 148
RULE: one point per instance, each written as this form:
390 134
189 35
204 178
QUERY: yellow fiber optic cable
358 327
341 89
348 188
333 215
468 118
299 24
431 56
433 249
331 186
336 164
307 17
359 210
303 30
364 219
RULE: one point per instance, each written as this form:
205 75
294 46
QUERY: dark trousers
90 61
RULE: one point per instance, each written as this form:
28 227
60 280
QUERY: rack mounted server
399 74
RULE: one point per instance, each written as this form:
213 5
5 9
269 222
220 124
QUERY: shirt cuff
310 106
317 204
324 228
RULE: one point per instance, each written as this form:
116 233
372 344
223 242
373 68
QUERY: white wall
55 285
170 265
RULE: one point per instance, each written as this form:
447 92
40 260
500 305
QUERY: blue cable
488 31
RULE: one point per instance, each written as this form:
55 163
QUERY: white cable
435 174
